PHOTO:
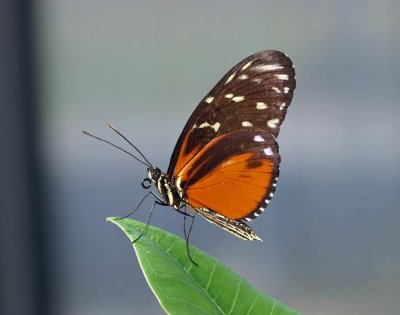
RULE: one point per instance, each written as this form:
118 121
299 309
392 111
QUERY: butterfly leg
184 213
158 201
137 207
147 223
187 234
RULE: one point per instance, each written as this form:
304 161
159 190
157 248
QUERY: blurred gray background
331 235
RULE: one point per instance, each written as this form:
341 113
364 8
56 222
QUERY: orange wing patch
233 189
233 175
187 153
191 145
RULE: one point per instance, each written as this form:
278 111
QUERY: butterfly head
154 173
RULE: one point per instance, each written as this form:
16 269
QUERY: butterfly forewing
226 161
255 94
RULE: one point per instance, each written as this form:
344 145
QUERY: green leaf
183 288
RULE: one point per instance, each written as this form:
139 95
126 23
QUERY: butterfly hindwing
233 175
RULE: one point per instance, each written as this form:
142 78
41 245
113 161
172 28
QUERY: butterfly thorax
167 189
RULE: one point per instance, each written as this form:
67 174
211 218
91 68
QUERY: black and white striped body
168 191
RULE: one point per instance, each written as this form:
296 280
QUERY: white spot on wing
286 90
247 124
230 78
282 106
276 89
268 67
282 76
258 138
230 95
215 126
262 209
243 77
247 65
209 99
271 194
261 105
272 122
238 99
268 151
204 125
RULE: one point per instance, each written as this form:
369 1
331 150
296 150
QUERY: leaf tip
112 219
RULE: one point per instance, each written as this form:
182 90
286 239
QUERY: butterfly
225 165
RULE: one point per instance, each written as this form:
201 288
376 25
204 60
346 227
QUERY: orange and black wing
227 160
232 178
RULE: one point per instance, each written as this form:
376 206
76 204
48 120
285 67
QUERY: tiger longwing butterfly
225 165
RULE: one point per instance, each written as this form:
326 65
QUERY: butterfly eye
157 174
154 174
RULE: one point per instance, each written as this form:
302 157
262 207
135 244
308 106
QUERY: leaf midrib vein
189 274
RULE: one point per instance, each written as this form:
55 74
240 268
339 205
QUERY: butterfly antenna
115 146
126 139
